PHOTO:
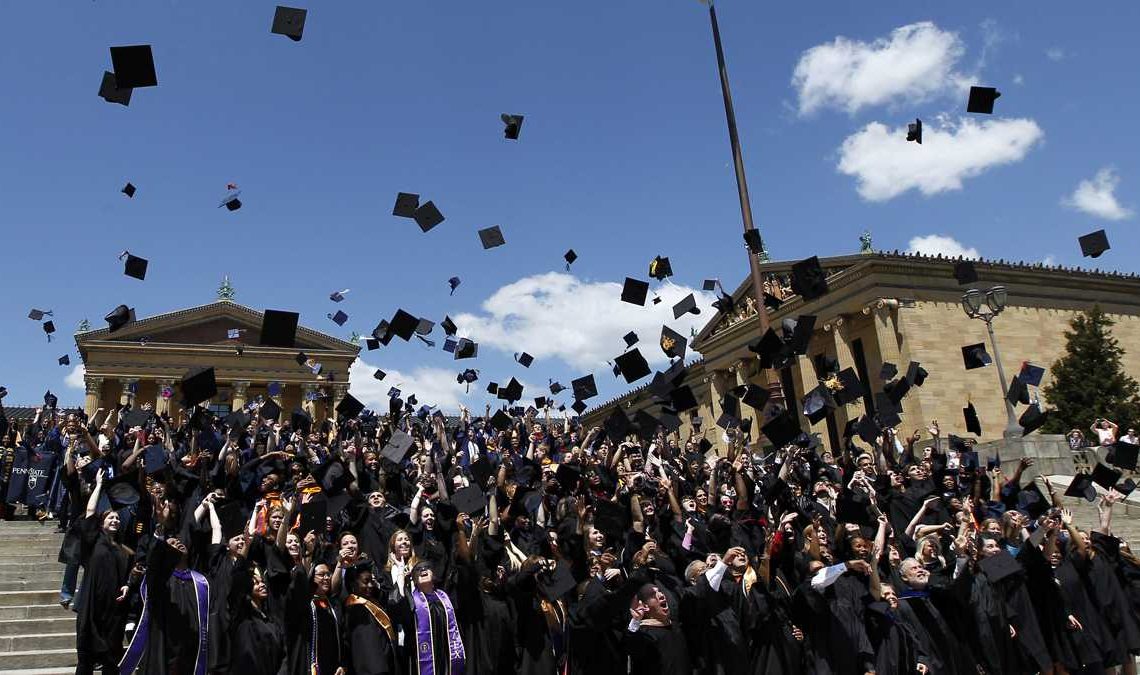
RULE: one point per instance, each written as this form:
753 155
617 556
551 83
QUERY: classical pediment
208 325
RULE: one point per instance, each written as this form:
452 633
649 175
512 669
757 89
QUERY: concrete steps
37 635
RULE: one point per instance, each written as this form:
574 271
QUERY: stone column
94 386
841 336
339 391
307 403
886 338
127 396
161 403
240 389
279 399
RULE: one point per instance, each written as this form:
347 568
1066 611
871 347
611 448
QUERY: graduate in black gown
313 629
370 646
258 644
435 645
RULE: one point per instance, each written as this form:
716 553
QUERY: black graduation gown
221 581
258 646
835 624
774 650
658 650
897 649
99 625
172 644
1107 593
300 609
935 640
71 550
404 613
487 622
723 619
368 649
1079 648
534 631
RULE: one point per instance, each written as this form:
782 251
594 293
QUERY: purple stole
425 654
137 648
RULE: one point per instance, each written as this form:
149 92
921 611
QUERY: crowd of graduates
517 543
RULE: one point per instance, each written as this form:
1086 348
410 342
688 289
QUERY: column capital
93 383
240 386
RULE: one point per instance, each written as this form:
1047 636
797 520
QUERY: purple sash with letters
137 648
425 654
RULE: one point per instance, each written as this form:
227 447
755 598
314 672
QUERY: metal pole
1012 428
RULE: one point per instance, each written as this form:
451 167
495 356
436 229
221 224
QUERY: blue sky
623 156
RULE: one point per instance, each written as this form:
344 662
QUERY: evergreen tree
1089 380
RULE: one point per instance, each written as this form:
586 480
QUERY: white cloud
558 316
74 379
1056 54
915 63
939 244
1049 260
1096 196
1018 79
886 165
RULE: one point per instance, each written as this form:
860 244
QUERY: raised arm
93 500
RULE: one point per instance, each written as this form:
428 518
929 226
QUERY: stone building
891 307
145 361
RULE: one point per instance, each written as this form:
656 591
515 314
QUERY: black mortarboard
1094 244
466 349
753 395
688 305
110 92
480 471
49 328
672 343
801 334
403 325
982 100
727 420
914 131
659 268
1126 487
867 428
1000 566
198 386
289 22
616 425
154 458
916 374
512 392
135 267
554 585
1082 487
1124 455
372 344
134 67
233 519
888 371
556 388
129 190
448 326
730 405
424 326
397 446
492 387
501 420
632 365
524 359
136 417
269 410
611 518
1032 419
469 500
119 317
851 388
630 339
427 216
578 407
38 314
897 389
541 402
965 273
753 241
1105 477
818 403
1031 500
406 205
781 429
65 360
491 237
770 347
708 285
584 387
278 328
339 318
570 256
122 494
1031 374
349 406
724 303
512 125
851 507
973 424
808 279
468 376
682 399
975 356
1017 391
314 515
634 291
568 476
301 421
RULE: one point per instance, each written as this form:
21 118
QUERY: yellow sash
376 612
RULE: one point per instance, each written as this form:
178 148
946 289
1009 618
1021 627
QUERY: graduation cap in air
49 328
269 410
753 241
232 518
808 279
119 317
38 314
914 131
279 328
339 318
427 216
397 447
672 343
570 256
616 425
338 296
632 365
752 394
688 305
1081 486
802 329
468 376
781 429
1017 391
314 515
231 201
851 389
724 303
584 387
634 291
965 272
888 371
491 237
524 359
818 403
975 356
682 398
659 268
110 92
403 325
630 339
453 282
1105 477
122 494
1031 374
424 326
973 424
448 326
1126 487
1094 244
851 507
512 126
65 360
982 100
134 67
916 374
709 285
1000 566
197 386
349 406
512 392
897 389
466 349
469 500
154 459
129 190
556 388
541 402
501 420
1124 455
406 205
770 347
1032 419
289 21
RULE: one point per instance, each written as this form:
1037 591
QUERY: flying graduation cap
427 216
339 318
49 328
570 256
129 190
524 359
513 125
38 314
659 268
134 267
491 237
982 100
231 201
914 131
453 282
110 92
1094 244
634 291
289 21
338 296
688 305
406 204
134 67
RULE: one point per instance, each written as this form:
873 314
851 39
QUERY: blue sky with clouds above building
623 156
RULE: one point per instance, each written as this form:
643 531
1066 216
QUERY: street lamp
994 301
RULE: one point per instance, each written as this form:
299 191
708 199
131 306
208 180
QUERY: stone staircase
37 636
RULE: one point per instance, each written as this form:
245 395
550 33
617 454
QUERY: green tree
1089 380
